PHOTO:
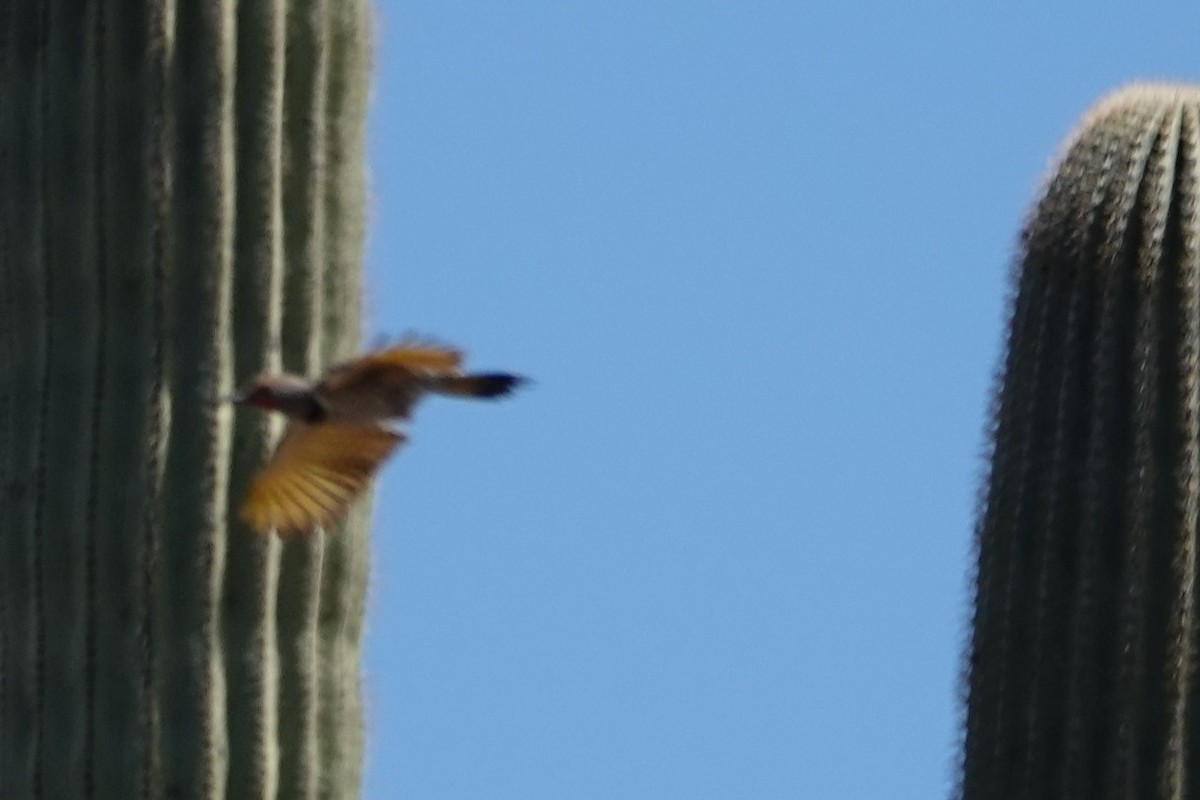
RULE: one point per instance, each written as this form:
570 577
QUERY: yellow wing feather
417 355
316 472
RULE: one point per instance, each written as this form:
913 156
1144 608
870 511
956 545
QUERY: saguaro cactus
181 206
1082 674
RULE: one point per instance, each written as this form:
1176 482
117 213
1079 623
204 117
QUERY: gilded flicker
343 425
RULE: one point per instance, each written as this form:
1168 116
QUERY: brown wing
316 472
384 384
415 355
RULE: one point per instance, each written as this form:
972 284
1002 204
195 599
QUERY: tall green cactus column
181 207
1082 677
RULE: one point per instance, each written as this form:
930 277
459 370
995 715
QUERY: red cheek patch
264 400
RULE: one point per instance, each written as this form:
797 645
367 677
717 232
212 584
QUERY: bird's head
286 393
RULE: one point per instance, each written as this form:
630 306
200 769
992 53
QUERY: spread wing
414 355
316 472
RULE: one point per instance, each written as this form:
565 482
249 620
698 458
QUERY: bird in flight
343 425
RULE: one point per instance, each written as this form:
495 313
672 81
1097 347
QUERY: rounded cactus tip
1135 100
1123 115
1148 93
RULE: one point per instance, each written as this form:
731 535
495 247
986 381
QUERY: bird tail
482 384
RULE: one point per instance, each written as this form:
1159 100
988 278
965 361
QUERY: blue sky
755 256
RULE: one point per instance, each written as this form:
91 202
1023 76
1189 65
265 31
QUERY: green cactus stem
1081 676
181 207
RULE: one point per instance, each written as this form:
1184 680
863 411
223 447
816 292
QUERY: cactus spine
181 206
1081 677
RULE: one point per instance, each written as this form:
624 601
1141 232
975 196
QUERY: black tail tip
495 384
